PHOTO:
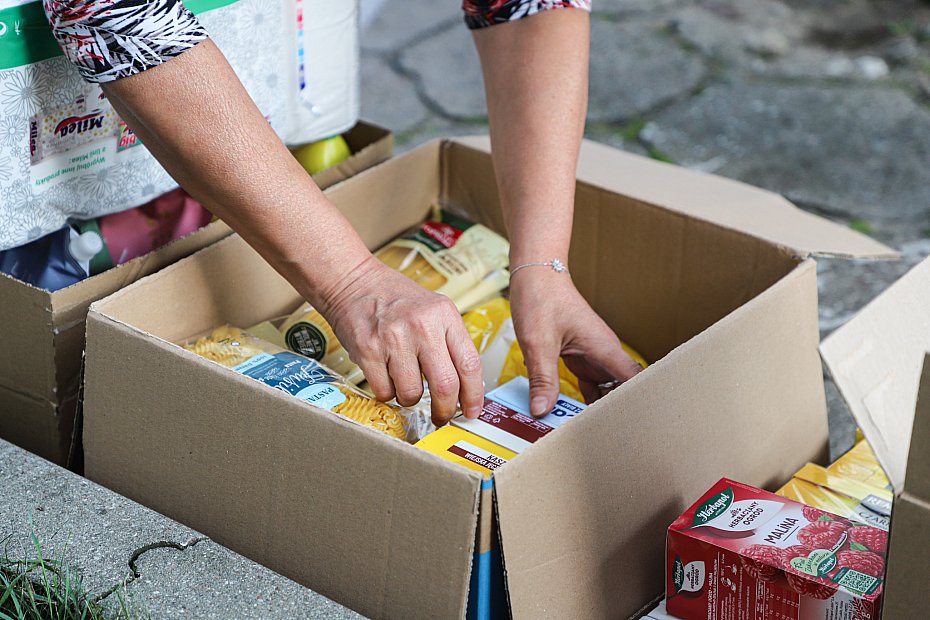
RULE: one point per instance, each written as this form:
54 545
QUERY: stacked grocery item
300 353
741 552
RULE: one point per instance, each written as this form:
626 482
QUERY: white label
693 577
745 515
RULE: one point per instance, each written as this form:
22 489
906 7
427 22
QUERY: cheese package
490 326
452 256
306 332
860 464
506 421
467 449
299 376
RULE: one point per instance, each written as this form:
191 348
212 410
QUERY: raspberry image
763 562
795 551
813 514
875 539
810 586
862 561
822 534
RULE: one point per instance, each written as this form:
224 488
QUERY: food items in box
860 464
322 154
506 421
467 449
820 488
450 255
306 332
741 552
491 328
297 375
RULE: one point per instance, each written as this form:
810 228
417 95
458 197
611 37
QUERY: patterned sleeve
483 13
113 39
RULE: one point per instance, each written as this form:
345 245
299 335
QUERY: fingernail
472 412
539 405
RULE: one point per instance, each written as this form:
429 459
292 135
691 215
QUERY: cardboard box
42 333
709 278
880 364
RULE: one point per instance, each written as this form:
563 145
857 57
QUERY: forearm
196 118
536 79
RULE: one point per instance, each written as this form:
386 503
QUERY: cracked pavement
130 556
824 101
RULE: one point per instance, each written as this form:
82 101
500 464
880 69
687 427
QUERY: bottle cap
85 246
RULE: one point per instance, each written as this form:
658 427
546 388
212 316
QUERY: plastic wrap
299 376
306 332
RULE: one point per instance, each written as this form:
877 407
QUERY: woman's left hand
552 319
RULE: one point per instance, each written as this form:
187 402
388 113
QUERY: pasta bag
306 332
299 376
450 255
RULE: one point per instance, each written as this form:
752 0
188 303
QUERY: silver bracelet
555 264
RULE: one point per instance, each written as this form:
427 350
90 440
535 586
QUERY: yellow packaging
465 448
816 486
267 331
860 464
452 256
306 332
491 328
299 376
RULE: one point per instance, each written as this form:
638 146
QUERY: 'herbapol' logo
713 507
79 124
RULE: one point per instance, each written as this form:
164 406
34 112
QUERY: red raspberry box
740 553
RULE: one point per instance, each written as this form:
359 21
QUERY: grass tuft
48 589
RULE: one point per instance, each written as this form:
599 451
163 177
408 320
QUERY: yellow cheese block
467 449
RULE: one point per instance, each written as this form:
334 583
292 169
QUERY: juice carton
740 553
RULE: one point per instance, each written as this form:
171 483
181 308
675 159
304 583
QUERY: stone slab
389 99
855 152
166 570
635 68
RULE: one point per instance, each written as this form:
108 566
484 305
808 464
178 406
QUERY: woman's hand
552 319
394 329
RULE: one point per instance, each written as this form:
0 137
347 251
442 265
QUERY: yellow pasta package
860 464
299 376
450 255
306 332
491 328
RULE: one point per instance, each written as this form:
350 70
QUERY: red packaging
741 553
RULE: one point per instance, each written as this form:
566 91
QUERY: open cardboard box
880 363
42 333
709 278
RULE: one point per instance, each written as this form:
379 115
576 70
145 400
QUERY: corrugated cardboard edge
543 473
111 477
875 360
725 202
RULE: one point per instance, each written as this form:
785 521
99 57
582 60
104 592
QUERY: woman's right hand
397 331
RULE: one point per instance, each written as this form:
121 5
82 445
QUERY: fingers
468 366
443 383
542 365
378 377
405 374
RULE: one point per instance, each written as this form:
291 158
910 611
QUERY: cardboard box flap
876 361
731 204
917 478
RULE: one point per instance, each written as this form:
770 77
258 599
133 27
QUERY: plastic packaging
299 376
467 449
138 231
452 256
491 328
54 261
306 332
